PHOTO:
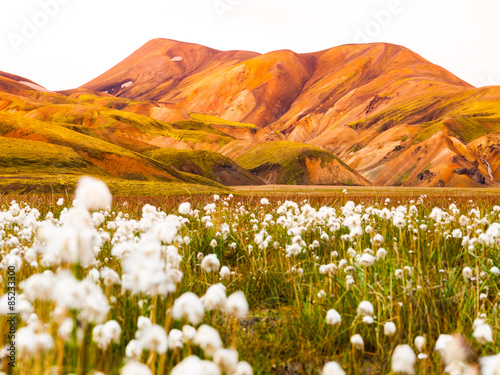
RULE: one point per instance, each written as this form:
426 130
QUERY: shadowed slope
211 165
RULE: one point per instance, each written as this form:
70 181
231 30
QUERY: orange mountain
390 114
355 114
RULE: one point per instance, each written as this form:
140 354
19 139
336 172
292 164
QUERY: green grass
427 131
59 135
287 157
199 160
23 156
404 176
43 183
214 120
470 129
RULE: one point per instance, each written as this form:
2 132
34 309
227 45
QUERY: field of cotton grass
242 285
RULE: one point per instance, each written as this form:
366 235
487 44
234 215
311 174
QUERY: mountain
18 85
354 114
384 110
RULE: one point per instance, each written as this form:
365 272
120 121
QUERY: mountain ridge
394 117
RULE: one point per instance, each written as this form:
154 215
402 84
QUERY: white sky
80 39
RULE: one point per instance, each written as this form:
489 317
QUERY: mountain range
364 114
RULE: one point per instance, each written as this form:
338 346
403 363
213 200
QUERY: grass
470 129
476 117
33 184
214 120
363 192
285 331
287 158
404 176
200 161
24 156
427 131
58 135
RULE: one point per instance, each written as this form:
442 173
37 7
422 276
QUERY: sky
62 44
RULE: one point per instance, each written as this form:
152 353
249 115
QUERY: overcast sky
62 44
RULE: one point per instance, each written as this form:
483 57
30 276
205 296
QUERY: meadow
276 281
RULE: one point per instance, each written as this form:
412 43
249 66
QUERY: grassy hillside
24 156
214 120
204 163
80 153
284 162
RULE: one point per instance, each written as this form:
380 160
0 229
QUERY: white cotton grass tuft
110 277
460 368
226 360
477 322
483 334
84 296
490 365
403 360
208 339
153 338
188 333
368 320
39 286
76 241
332 368
92 194
105 334
333 317
225 272
452 348
443 346
193 365
237 305
389 329
185 208
215 298
30 344
419 343
357 342
210 263
188 306
365 308
65 329
135 368
243 368
367 260
23 307
381 253
467 273
134 350
143 322
175 339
